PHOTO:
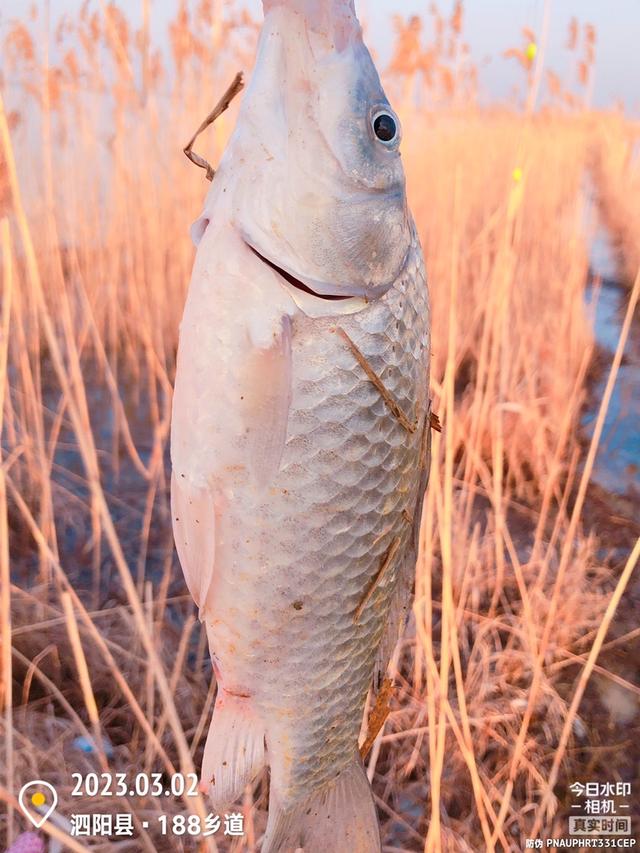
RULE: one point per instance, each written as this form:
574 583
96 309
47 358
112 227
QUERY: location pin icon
37 800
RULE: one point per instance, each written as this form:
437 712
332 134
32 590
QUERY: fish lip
296 282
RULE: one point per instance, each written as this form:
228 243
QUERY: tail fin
234 751
340 816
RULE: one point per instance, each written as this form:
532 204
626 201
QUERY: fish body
300 426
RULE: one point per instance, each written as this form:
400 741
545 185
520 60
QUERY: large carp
300 442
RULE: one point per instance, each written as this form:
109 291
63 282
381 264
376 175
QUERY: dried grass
616 172
513 597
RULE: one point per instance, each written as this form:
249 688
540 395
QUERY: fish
301 426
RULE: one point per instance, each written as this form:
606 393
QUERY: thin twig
386 562
83 677
222 106
378 716
386 395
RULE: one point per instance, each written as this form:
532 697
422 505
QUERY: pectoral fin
267 384
194 530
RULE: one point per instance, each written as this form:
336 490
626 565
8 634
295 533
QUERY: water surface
617 467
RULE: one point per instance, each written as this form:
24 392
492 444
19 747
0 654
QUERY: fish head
319 186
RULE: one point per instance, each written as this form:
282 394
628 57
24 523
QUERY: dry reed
616 171
511 590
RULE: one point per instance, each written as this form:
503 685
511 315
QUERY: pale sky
491 26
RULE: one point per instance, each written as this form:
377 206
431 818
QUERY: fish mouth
296 282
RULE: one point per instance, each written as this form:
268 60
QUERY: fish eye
386 127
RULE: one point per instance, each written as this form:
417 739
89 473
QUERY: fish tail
339 816
234 751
